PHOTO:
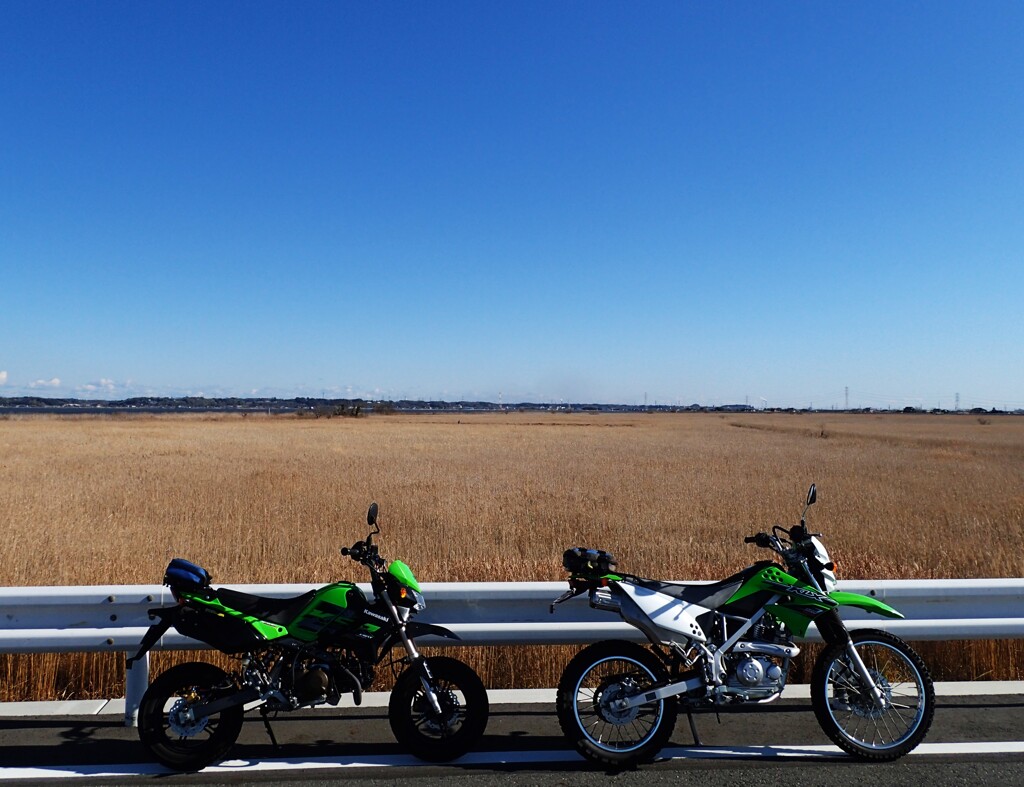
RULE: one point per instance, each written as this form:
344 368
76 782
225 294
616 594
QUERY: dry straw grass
498 497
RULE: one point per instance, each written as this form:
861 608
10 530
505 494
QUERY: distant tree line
353 408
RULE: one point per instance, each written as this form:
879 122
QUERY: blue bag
184 575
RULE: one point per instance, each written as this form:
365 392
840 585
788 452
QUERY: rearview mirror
812 495
371 515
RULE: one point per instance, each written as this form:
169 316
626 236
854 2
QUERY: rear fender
167 616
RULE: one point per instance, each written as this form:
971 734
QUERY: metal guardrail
115 617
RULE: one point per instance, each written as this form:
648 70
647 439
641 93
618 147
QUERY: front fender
415 629
866 603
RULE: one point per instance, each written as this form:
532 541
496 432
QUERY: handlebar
796 546
364 552
795 541
763 540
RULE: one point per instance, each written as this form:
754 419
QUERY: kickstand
270 732
693 729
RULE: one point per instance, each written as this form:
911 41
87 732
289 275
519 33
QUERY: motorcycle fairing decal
375 615
331 612
322 614
867 603
803 594
667 612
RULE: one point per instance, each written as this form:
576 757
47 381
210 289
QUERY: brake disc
608 693
450 706
179 722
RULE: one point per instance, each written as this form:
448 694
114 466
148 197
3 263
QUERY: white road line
379 699
484 758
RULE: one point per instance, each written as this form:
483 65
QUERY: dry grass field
108 500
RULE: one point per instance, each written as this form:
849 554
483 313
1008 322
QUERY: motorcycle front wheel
427 734
851 716
591 685
165 724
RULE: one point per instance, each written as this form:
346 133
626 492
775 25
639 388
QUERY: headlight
411 599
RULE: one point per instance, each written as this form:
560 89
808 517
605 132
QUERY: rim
854 711
599 686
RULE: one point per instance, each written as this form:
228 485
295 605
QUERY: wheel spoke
600 719
855 710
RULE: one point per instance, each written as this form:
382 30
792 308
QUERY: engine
757 670
752 671
310 677
328 676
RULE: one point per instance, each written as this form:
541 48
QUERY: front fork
418 662
865 675
831 628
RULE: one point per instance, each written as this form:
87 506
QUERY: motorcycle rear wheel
464 710
172 738
849 714
590 684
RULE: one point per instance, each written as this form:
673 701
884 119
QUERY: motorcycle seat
273 610
710 596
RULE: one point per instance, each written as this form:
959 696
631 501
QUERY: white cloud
3 378
103 386
52 383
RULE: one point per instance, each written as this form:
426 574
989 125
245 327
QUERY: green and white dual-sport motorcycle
731 642
300 652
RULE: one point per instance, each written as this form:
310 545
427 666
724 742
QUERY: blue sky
545 201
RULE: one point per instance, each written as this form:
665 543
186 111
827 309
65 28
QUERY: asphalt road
974 739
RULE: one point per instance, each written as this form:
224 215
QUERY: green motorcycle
729 643
301 652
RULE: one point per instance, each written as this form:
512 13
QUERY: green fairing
774 579
269 631
403 574
329 606
336 593
797 617
756 582
864 602
795 620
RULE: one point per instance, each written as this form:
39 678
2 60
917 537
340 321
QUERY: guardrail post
136 681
